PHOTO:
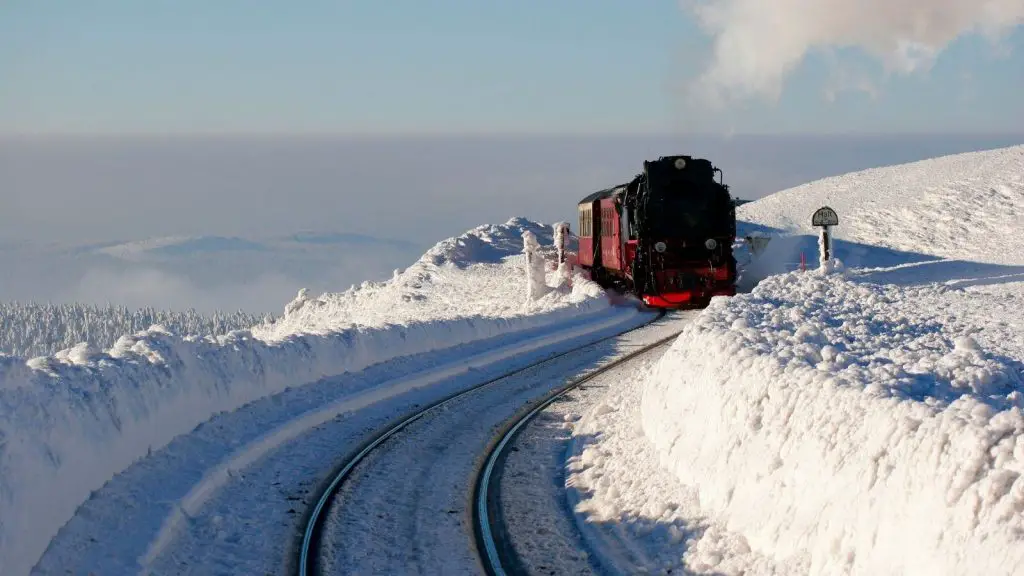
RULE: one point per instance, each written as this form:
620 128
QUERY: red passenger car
665 236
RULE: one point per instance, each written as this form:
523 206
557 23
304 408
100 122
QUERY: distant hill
256 274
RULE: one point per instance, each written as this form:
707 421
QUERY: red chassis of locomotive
666 236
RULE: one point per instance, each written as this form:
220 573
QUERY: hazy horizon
59 194
190 185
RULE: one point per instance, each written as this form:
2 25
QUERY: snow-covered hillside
70 421
965 206
962 207
865 420
467 275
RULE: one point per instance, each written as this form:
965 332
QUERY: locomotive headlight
680 163
660 246
710 244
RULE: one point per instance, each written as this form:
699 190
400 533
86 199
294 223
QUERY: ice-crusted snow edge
841 420
71 421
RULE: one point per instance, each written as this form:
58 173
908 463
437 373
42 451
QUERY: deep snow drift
863 421
70 421
867 420
875 428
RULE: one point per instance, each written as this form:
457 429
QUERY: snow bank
476 274
634 515
871 428
488 244
71 421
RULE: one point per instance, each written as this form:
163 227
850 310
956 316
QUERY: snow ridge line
218 477
489 529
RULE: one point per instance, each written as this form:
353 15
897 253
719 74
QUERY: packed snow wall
871 427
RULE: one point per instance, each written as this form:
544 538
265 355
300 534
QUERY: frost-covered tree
536 281
32 329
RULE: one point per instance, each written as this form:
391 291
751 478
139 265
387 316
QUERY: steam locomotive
665 236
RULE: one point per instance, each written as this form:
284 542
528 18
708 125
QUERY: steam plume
758 42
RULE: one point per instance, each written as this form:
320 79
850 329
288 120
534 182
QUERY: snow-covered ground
72 421
867 420
864 420
405 509
230 496
536 519
635 516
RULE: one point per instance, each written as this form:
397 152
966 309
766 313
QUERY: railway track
308 560
496 554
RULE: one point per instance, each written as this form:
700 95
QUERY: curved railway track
496 554
308 561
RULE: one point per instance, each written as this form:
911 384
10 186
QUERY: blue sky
448 66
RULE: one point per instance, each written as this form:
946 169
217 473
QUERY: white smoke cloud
758 42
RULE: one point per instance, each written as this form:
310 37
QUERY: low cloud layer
758 42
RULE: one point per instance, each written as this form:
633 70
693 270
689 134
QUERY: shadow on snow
876 264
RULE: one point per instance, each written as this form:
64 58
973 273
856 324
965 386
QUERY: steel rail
497 555
308 564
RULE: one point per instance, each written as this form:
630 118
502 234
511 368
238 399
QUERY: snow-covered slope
71 421
965 206
859 420
468 275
